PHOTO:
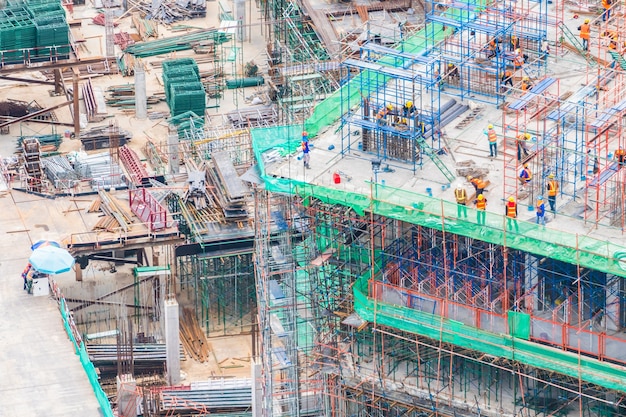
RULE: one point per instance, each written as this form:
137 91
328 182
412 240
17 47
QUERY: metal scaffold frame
473 282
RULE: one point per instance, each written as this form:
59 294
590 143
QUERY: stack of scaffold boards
184 91
31 30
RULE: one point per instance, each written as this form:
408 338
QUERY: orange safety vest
552 188
511 209
526 86
518 61
478 183
491 135
606 4
584 31
461 196
526 175
481 204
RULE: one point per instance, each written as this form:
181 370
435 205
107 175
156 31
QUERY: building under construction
362 286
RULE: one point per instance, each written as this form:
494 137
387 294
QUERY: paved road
39 373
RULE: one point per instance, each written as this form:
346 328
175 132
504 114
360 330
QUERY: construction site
313 208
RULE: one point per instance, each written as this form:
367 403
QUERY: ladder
573 40
619 59
432 154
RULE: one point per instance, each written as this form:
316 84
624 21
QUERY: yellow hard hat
551 176
450 64
481 197
409 103
517 51
525 165
490 127
469 177
525 78
586 20
511 198
389 107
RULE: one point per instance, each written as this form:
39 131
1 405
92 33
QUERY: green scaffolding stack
184 92
31 29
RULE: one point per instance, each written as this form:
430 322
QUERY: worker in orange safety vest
481 207
553 188
585 32
511 214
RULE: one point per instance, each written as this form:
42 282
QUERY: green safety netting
603 374
90 370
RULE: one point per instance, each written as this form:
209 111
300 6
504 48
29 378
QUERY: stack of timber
168 11
193 338
116 214
230 190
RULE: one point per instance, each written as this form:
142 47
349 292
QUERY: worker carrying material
453 72
383 113
585 31
620 156
479 185
527 85
511 214
525 176
492 137
493 48
518 59
553 188
461 200
507 79
540 209
481 207
522 147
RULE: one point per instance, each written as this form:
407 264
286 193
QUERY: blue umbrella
44 242
51 260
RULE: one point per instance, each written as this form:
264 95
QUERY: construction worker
492 137
305 136
606 14
514 43
522 140
553 188
453 73
408 111
585 31
461 201
481 207
527 85
511 213
507 78
479 185
492 48
540 209
613 36
306 157
381 116
525 176
620 156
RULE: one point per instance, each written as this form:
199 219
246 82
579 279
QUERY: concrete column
172 150
172 340
126 395
141 98
257 388
240 16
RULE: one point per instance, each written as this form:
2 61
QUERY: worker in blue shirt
541 211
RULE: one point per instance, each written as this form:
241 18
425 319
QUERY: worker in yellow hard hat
408 111
526 84
453 72
585 32
510 210
492 137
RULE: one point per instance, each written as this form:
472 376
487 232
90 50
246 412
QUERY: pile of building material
257 116
230 190
116 215
168 11
48 143
193 338
176 43
99 169
225 394
147 358
33 29
60 172
104 137
184 92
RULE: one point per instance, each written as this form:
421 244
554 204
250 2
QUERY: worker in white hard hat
492 137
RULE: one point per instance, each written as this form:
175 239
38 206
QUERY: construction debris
193 338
